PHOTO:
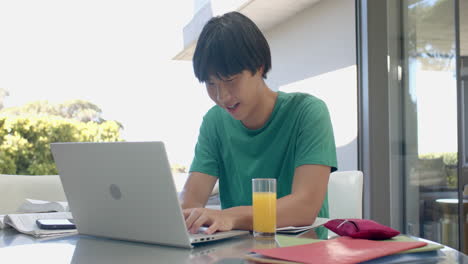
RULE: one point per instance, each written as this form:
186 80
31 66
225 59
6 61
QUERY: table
19 248
449 221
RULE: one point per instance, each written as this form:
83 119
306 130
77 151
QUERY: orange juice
264 212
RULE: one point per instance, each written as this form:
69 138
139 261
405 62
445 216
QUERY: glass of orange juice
264 207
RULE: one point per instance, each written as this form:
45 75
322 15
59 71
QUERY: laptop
125 190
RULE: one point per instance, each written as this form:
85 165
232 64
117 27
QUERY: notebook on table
342 250
125 190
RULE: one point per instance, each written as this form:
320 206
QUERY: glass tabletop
88 249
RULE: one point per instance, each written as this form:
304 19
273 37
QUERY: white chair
345 194
14 189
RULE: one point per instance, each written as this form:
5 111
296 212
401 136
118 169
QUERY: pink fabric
361 228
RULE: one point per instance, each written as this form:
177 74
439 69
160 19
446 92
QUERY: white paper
26 223
2 222
296 229
40 206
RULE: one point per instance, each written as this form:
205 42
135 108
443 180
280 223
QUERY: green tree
80 110
450 161
27 131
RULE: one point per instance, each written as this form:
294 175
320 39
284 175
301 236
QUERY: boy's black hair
229 44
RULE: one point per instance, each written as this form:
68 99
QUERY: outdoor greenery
178 168
79 110
450 161
26 133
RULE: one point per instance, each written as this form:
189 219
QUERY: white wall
315 52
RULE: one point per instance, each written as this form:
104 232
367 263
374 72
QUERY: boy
254 132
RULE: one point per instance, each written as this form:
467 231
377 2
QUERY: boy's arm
297 209
197 190
309 189
301 207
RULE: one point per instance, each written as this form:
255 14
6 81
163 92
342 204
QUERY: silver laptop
125 190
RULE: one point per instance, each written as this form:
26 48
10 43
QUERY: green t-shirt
298 132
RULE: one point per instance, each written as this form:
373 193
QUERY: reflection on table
88 249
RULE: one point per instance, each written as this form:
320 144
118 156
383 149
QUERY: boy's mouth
232 108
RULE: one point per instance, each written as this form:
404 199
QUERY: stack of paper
342 250
287 241
26 223
25 220
40 206
299 229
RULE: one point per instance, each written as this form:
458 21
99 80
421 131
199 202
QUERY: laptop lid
122 190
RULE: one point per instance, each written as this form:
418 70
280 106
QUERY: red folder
342 250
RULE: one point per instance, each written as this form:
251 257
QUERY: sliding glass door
461 26
427 66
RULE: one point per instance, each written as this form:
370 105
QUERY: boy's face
237 94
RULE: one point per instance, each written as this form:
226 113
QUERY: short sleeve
315 141
206 158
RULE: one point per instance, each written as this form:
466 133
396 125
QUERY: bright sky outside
116 54
437 111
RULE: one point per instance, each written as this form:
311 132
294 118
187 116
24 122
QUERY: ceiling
265 13
434 26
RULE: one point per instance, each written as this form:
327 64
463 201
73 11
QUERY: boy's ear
260 70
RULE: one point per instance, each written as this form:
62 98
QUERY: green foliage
450 161
25 140
178 168
449 158
80 110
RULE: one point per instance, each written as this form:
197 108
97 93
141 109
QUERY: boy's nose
222 95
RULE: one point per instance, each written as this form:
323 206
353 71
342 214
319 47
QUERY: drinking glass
264 207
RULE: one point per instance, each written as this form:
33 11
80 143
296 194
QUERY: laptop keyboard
202 237
200 233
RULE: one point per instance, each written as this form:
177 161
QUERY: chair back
15 189
345 194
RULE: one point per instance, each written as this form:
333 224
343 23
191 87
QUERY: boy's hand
216 220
